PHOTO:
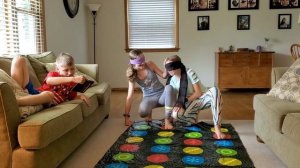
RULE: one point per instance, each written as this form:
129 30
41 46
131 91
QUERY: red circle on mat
129 148
158 158
227 136
193 142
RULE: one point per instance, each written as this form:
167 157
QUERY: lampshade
94 7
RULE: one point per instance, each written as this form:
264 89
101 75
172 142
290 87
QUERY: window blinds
21 26
151 24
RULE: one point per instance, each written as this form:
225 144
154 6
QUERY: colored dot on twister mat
129 148
224 143
222 130
161 149
123 157
117 165
165 133
193 128
158 158
141 127
192 150
226 152
163 141
134 139
230 162
154 166
139 133
193 160
193 135
193 142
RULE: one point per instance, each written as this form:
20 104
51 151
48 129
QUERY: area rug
146 145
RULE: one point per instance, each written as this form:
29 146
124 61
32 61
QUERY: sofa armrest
89 69
277 73
9 121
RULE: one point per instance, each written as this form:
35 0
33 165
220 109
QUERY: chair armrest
90 69
277 73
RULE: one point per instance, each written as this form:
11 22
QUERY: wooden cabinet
243 69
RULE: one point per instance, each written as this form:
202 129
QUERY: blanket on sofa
147 145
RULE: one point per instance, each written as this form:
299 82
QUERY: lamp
93 9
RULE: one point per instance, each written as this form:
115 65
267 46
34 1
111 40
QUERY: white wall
65 34
196 47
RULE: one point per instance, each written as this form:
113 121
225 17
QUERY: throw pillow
25 111
52 67
39 68
288 86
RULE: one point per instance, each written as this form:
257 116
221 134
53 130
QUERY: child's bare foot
128 122
220 135
168 124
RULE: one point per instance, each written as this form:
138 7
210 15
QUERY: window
21 27
152 25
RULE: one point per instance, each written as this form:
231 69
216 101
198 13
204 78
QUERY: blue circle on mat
193 128
117 165
161 149
224 143
193 160
139 133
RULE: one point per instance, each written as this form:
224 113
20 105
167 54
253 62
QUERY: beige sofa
277 124
48 137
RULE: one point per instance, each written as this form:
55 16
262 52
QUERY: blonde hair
64 59
131 73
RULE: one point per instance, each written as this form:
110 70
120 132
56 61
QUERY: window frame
176 49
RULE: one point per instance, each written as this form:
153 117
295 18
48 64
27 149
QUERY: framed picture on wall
284 21
284 4
203 23
243 22
201 5
243 4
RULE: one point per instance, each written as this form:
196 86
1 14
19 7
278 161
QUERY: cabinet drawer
225 60
232 77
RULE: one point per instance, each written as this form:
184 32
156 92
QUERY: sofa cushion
86 110
273 109
44 127
288 86
102 90
39 68
291 125
45 57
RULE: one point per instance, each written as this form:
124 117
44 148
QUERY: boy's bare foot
168 124
220 135
128 122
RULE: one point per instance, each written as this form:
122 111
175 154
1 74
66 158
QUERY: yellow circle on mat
165 133
134 139
192 150
222 129
154 166
230 162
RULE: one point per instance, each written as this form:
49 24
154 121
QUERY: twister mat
146 145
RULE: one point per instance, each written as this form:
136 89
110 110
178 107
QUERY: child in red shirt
61 81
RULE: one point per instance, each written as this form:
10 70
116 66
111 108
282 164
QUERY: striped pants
212 98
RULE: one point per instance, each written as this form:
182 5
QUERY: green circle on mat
123 157
230 162
163 141
226 152
193 135
142 127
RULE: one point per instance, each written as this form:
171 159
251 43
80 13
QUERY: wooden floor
237 105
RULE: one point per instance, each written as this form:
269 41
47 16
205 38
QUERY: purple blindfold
138 61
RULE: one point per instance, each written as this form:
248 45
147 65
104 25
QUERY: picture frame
203 22
203 5
284 4
284 21
243 4
243 22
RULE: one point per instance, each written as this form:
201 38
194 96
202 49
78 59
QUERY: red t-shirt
62 92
